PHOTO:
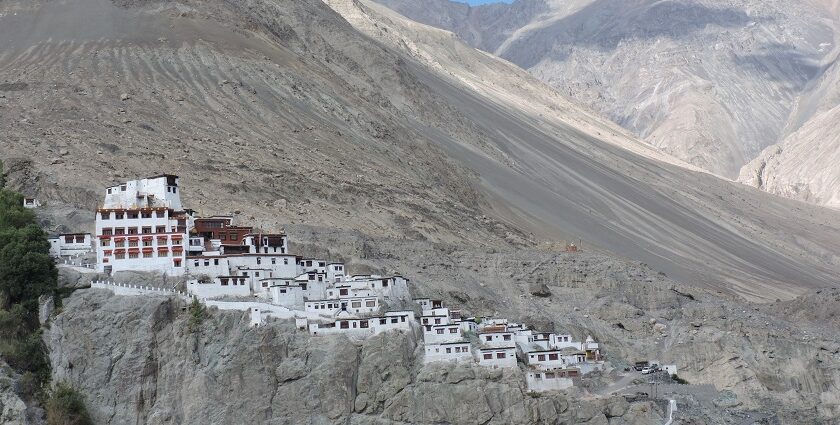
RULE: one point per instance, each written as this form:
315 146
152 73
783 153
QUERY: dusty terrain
286 113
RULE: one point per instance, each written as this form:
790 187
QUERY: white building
428 303
439 334
551 379
141 226
497 357
71 244
496 339
448 351
396 320
222 286
352 305
550 359
31 203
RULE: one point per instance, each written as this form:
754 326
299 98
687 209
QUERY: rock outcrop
136 362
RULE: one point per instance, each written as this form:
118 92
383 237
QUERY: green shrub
197 314
67 407
678 380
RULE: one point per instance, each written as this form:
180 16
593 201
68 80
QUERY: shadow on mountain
781 63
605 24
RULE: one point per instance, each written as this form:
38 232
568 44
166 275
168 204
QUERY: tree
26 269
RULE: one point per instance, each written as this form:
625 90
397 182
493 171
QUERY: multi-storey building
142 226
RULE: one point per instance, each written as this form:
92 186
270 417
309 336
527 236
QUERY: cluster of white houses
142 226
552 360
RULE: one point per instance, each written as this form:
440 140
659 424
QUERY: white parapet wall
131 289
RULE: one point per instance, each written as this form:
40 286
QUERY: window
286 261
133 244
119 231
133 255
343 291
107 231
383 321
160 214
122 188
273 261
106 242
506 337
259 260
177 262
216 262
370 303
196 263
501 355
541 357
265 284
363 324
132 215
549 376
163 253
439 331
109 190
147 243
105 215
256 274
356 304
394 320
119 216
437 321
224 282
132 231
553 356
148 254
453 330
537 376
488 356
147 230
448 350
120 244
488 338
69 239
120 256
146 214
384 283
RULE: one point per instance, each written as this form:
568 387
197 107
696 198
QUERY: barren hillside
284 112
712 82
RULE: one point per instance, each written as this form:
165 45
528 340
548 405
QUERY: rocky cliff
138 363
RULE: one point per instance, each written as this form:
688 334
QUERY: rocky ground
286 112
138 362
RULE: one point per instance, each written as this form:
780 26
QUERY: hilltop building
142 226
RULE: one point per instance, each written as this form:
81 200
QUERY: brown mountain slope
285 112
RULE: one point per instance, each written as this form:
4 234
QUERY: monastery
142 226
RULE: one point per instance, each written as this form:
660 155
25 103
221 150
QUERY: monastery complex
142 226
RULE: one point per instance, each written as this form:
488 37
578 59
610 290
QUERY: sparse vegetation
197 313
26 273
67 407
678 380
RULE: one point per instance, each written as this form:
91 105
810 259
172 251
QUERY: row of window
119 215
489 356
457 349
364 324
505 337
136 255
162 240
541 357
145 230
233 282
561 374
451 330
